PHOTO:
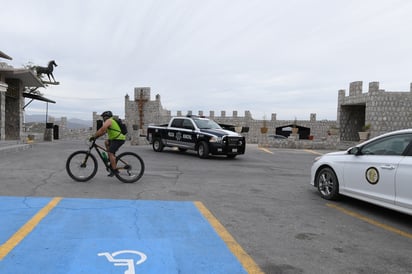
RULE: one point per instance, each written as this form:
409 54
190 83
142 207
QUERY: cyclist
115 138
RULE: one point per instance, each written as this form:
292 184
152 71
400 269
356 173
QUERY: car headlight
317 159
215 139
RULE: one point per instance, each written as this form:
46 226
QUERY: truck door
189 134
171 134
181 134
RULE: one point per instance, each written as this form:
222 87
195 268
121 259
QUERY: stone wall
13 106
143 111
384 111
3 90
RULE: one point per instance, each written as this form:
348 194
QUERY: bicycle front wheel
130 167
81 166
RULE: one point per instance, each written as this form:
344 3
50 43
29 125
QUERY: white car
378 171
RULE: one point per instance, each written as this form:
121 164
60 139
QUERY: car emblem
372 175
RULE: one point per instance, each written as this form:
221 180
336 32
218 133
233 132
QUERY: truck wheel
158 145
203 150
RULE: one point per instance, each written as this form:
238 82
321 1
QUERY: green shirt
114 132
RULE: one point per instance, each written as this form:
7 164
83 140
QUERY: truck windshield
206 124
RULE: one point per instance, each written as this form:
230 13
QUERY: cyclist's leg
113 146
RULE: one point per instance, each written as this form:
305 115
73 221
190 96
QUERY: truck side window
187 124
177 123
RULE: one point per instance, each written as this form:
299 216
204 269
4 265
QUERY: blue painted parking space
15 211
112 236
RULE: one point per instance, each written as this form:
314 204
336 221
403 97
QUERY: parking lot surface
110 236
262 199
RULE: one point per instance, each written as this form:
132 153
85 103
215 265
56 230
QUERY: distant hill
72 123
34 118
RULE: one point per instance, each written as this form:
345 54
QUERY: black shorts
114 145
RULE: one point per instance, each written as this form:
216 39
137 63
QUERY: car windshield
206 124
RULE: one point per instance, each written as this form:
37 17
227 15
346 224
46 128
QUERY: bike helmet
107 113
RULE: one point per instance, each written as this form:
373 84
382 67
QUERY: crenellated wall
142 111
384 111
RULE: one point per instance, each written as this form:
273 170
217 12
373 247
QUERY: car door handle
390 167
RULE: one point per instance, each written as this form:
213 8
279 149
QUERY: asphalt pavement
262 201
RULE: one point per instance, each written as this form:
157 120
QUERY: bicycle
82 165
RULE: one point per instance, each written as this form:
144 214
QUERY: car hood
336 153
220 132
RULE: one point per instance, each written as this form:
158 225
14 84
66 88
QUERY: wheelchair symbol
125 262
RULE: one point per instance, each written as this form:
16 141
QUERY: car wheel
203 150
328 185
158 145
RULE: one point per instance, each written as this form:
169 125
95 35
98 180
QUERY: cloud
264 56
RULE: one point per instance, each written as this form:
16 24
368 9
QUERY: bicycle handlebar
92 142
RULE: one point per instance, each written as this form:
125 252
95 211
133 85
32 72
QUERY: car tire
203 150
157 145
327 184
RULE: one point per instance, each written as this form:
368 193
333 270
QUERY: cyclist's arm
103 129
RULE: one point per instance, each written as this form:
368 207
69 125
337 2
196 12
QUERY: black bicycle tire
73 176
142 168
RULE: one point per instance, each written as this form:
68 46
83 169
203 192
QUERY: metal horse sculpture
47 70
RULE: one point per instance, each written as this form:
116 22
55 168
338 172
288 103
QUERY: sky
263 56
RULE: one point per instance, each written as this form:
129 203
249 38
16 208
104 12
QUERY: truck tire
157 145
203 150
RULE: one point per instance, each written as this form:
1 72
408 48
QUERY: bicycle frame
99 150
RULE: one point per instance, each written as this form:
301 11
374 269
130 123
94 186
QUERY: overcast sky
266 56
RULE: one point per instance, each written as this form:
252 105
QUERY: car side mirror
354 151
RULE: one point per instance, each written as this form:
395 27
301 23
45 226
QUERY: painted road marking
27 228
265 150
306 150
247 262
313 152
125 262
112 236
371 221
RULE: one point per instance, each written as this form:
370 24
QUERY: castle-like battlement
382 110
143 111
356 89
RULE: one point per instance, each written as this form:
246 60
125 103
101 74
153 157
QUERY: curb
14 148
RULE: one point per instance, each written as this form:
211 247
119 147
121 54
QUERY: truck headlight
215 139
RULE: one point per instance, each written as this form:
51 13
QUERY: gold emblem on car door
372 175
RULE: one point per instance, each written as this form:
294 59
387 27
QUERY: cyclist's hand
91 139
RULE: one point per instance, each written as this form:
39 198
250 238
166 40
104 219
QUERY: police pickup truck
200 134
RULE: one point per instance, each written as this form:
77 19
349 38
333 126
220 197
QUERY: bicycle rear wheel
130 167
81 166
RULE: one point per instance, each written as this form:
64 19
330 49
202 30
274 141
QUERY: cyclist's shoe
113 172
